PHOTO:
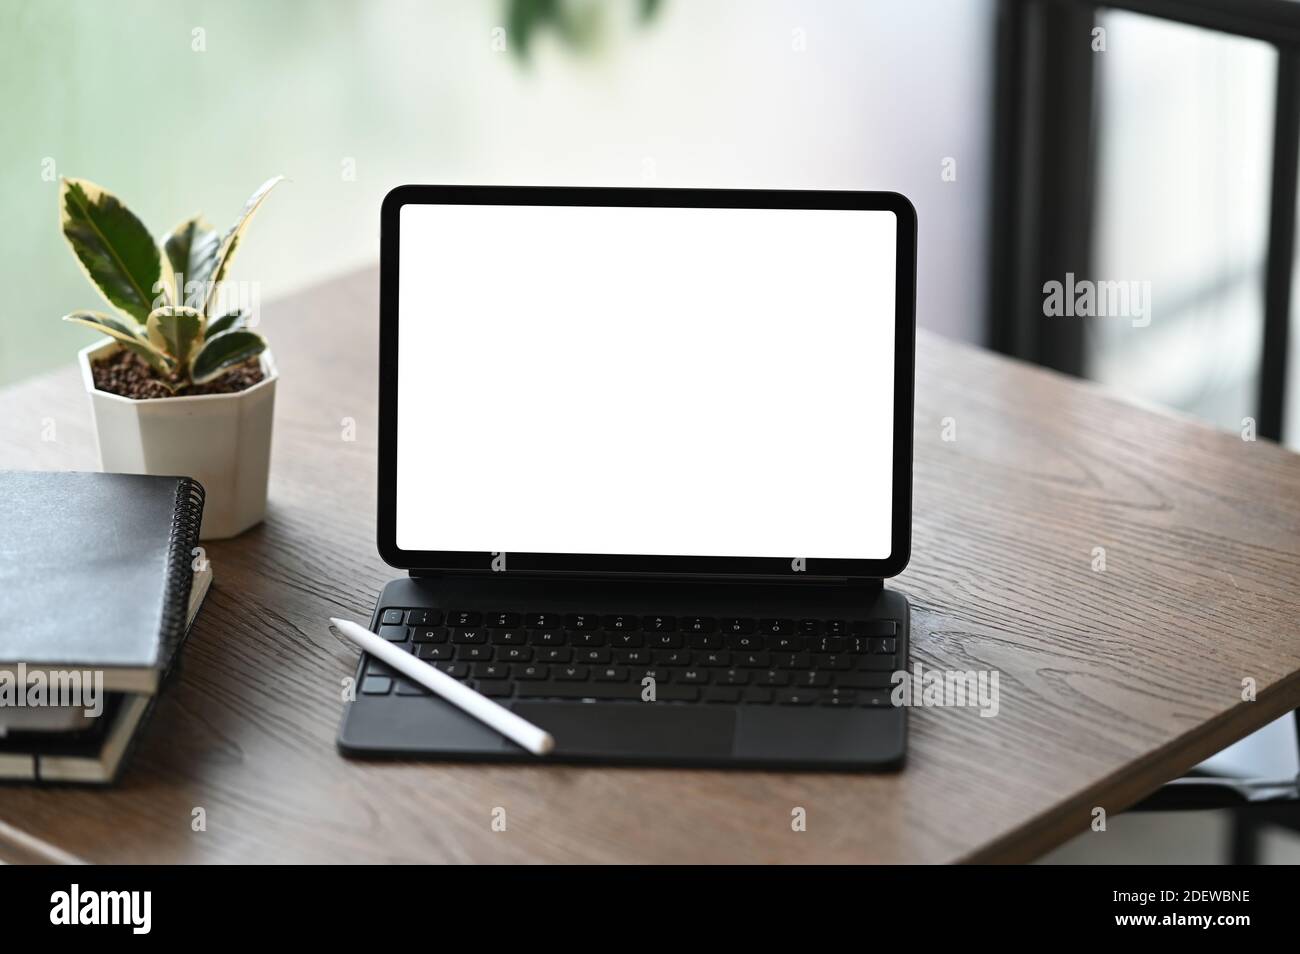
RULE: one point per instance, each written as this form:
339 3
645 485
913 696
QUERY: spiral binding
184 536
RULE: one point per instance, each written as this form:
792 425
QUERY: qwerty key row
645 658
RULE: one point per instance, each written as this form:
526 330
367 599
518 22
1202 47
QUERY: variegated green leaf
110 325
222 351
127 334
177 331
191 250
227 322
230 241
114 249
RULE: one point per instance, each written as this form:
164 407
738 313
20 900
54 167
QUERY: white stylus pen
535 740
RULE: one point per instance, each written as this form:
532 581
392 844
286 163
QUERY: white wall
710 92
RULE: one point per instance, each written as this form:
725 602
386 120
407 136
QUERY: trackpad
633 730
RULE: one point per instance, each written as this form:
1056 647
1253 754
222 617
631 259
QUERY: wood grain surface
1111 682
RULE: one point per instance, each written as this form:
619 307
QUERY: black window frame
1044 172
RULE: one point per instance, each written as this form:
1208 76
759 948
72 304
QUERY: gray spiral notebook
98 588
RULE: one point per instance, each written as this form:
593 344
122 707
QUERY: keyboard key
570 673
504 620
864 680
423 617
736 625
591 656
658 624
548 638
705 641
542 620
586 638
432 651
810 627
719 658
457 670
838 697
665 641
672 657
376 668
773 677
464 620
376 685
667 693
785 644
474 653
495 688
887 645
394 634
827 644
836 627
756 694
749 643
831 663
407 688
733 677
631 657
468 637
612 691
698 624
554 654
491 670
811 679
581 622
507 637
429 634
658 675
392 617
721 694
875 627
753 660
876 699
626 640
795 697
515 654
610 674
877 663
777 627
694 677
529 671
621 624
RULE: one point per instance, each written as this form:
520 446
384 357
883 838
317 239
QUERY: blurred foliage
577 24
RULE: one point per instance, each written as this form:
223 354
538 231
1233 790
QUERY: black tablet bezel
630 564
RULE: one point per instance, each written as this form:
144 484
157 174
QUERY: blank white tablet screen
696 382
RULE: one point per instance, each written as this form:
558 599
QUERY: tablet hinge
869 585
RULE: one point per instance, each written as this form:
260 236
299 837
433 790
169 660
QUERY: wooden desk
1111 682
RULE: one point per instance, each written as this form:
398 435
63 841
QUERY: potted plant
184 386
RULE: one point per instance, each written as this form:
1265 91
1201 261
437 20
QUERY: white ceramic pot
221 440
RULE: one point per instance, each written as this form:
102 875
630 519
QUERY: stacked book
100 579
